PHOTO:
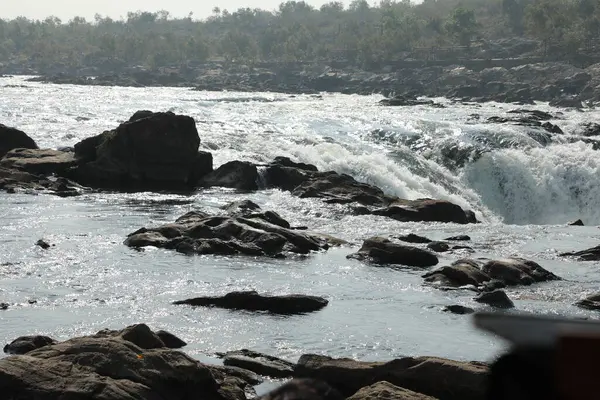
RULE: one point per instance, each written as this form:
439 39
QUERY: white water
522 191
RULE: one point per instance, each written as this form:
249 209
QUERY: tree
462 25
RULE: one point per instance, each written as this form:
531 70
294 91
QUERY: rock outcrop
253 301
12 138
383 251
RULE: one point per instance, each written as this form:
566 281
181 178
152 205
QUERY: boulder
252 301
459 238
412 238
590 303
592 254
459 273
517 271
458 309
39 161
171 341
439 247
426 210
259 363
496 298
43 244
110 368
436 377
142 336
249 209
12 138
241 175
25 344
576 223
157 151
386 391
304 389
258 234
379 250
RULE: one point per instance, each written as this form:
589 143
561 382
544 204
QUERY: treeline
359 33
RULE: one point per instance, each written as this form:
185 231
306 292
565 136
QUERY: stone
436 377
12 138
379 250
592 254
459 238
496 298
458 309
4 306
252 301
241 175
386 391
576 223
259 363
25 344
39 161
171 341
43 244
425 210
458 274
590 303
517 271
412 238
439 247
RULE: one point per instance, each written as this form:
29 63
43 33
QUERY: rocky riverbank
561 84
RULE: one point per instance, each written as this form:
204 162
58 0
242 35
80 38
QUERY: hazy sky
66 9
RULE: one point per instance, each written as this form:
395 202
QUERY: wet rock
39 161
304 389
592 254
159 151
496 298
241 175
287 162
249 209
425 210
111 368
252 301
458 274
383 251
412 238
43 244
576 223
259 363
12 138
386 391
4 306
258 234
140 335
245 375
458 309
436 377
590 129
517 271
401 101
459 238
25 344
590 303
438 247
171 341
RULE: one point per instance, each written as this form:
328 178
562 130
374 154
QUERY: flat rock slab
252 301
386 391
431 376
259 363
383 251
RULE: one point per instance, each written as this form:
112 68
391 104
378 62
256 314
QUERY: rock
592 254
157 151
458 309
12 138
460 273
576 223
382 251
412 238
439 247
4 306
247 376
25 344
252 301
249 209
386 391
590 129
590 303
140 115
436 377
304 389
517 271
140 335
39 162
43 244
425 210
111 368
404 101
258 234
459 238
497 298
261 364
287 162
171 341
12 180
239 175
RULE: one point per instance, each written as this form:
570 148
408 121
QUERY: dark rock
425 210
592 254
517 271
257 234
140 335
590 303
247 376
241 175
492 285
576 223
439 247
140 115
241 208
40 162
400 101
458 309
111 368
496 298
304 389
259 363
25 344
252 301
383 251
12 138
459 238
460 273
412 238
386 391
286 162
158 151
170 341
43 244
12 180
590 129
203 165
454 380
4 306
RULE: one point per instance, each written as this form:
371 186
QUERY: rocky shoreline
559 83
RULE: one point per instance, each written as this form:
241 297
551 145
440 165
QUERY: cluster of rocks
137 363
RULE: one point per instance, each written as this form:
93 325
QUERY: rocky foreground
137 363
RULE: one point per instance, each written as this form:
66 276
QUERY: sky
67 9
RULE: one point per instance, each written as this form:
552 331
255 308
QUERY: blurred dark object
304 389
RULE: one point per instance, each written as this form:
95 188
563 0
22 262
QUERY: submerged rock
383 251
458 309
252 301
592 254
12 138
438 247
436 377
496 298
25 344
386 391
259 363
